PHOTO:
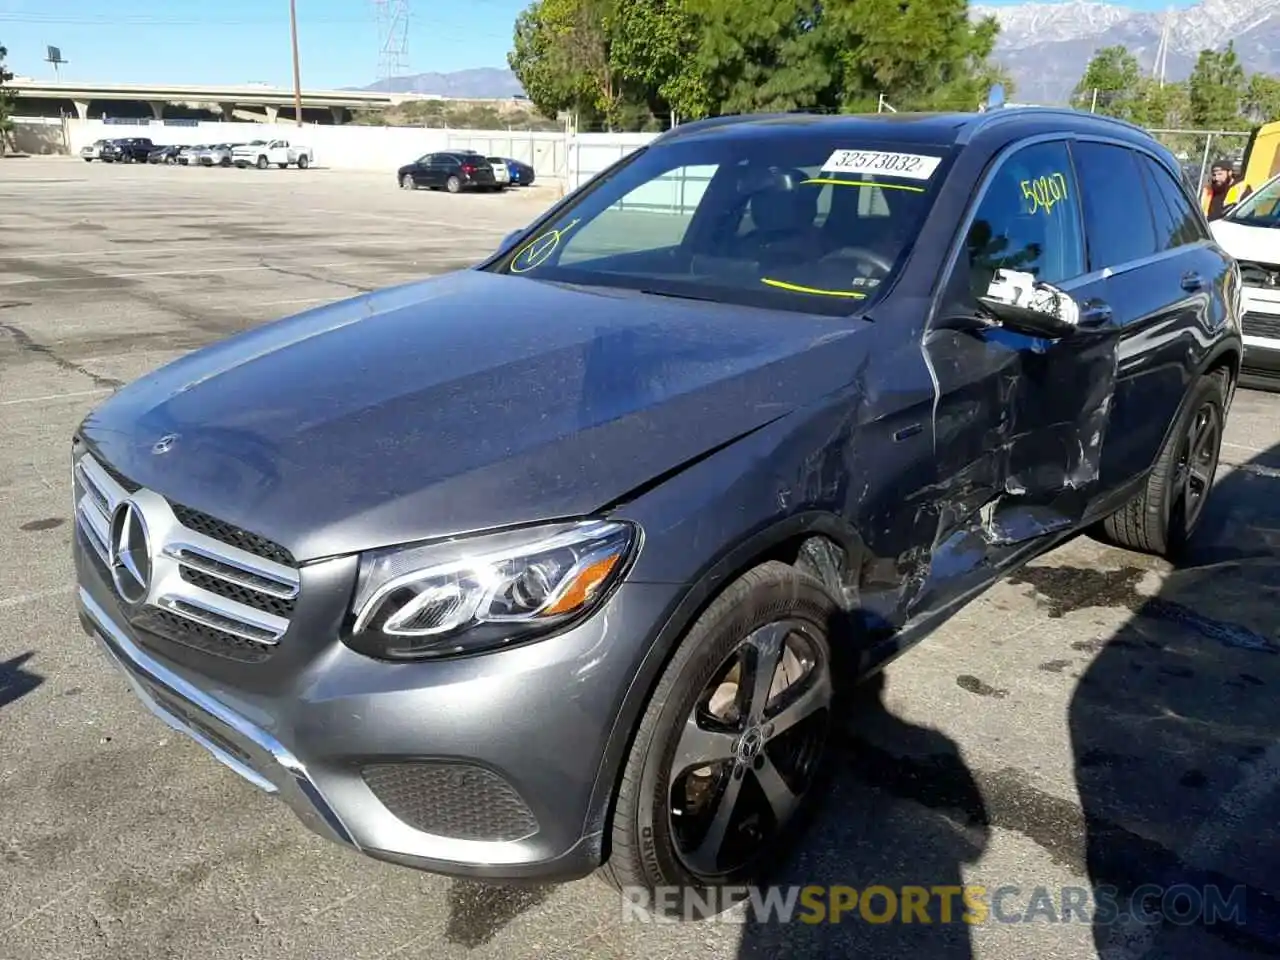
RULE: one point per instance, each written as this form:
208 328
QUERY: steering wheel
865 254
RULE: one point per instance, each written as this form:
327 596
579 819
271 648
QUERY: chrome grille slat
218 616
220 588
235 573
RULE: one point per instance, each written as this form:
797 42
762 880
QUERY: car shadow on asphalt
863 836
16 680
1175 729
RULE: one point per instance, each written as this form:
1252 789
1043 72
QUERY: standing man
1222 191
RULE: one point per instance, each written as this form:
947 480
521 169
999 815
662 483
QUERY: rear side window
1176 220
1117 217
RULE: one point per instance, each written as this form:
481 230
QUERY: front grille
453 800
197 636
207 589
241 593
230 533
1260 325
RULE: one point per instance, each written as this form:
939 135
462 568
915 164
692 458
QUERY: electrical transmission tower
393 38
1161 65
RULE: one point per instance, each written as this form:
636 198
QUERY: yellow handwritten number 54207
1043 193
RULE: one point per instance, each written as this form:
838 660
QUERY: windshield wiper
679 296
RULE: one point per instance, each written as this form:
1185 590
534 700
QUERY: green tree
628 62
1262 98
6 100
923 54
562 57
1112 84
654 51
1217 89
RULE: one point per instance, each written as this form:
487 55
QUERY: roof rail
709 123
988 118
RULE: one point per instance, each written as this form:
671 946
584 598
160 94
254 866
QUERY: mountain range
1044 45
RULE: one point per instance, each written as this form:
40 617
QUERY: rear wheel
453 184
303 163
732 741
1164 516
262 163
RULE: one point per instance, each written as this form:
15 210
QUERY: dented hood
460 403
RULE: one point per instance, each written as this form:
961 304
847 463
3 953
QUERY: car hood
460 403
1246 242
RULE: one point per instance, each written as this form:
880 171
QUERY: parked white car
1249 233
93 151
280 152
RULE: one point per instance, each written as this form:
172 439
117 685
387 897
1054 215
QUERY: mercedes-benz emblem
130 556
164 444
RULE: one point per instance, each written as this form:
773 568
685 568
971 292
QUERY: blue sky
246 41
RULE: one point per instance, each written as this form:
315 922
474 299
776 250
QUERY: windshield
811 223
1261 208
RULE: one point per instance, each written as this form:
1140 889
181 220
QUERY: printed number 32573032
1044 193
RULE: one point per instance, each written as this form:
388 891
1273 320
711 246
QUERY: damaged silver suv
561 562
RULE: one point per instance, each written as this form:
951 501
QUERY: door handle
1094 314
1192 282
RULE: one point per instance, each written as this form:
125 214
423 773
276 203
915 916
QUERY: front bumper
513 742
1260 367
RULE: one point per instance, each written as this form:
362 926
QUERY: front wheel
1163 517
733 740
407 183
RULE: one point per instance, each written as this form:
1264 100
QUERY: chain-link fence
1198 150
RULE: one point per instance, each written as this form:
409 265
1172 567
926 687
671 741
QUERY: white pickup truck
280 152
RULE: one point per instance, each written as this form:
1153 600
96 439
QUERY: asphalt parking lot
1103 718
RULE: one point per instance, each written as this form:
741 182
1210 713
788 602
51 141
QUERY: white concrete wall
346 147
589 153
39 136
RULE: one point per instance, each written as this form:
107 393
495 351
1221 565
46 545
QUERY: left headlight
474 594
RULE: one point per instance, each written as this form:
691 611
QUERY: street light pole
297 73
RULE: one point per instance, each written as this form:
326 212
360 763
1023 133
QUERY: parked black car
167 155
565 559
454 171
127 150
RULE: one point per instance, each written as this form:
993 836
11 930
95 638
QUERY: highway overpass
252 102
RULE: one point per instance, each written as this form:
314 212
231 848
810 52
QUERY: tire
262 163
648 848
407 183
88 159
1162 519
453 184
303 163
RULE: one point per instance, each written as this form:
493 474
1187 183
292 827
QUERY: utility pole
297 73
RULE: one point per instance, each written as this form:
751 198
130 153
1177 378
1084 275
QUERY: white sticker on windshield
912 166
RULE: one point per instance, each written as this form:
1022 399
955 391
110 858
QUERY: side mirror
1024 305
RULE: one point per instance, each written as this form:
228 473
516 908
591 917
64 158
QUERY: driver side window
1028 220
